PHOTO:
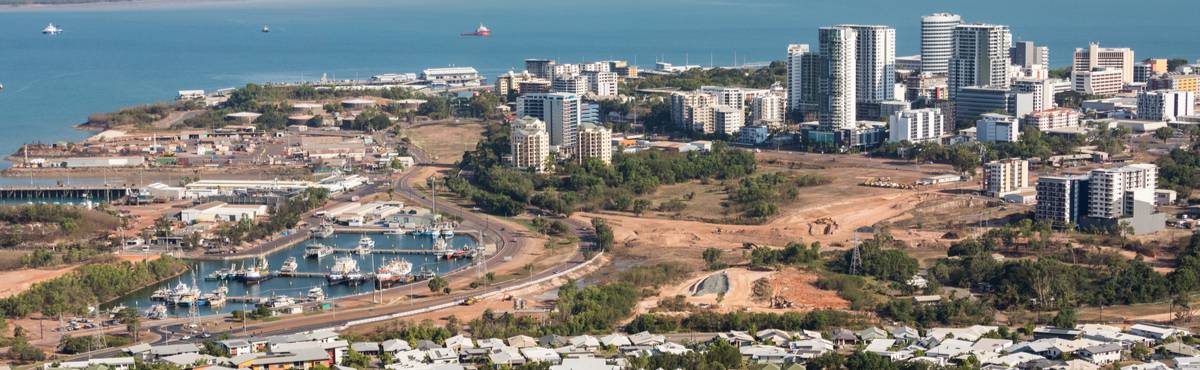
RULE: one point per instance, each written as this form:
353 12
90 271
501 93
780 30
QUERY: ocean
115 56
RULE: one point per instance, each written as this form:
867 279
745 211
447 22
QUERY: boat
289 265
317 250
221 274
365 245
342 267
396 231
280 301
183 295
316 294
425 274
322 232
217 297
158 311
161 294
266 29
396 269
482 31
257 273
51 29
441 249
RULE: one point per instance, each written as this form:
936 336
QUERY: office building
1109 188
802 78
1101 81
530 144
889 107
559 111
837 110
1005 176
1041 89
974 101
727 120
1165 105
1027 55
917 126
1062 200
1143 72
875 63
595 141
692 110
993 127
937 38
979 57
909 64
768 110
570 84
540 68
1050 119
602 83
1120 59
733 97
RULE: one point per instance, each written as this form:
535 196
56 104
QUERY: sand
17 281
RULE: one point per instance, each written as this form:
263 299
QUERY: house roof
394 345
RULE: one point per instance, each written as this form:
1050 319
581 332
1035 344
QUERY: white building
559 111
753 135
728 120
801 76
997 127
875 57
221 211
837 108
602 83
1005 176
1101 81
937 37
1109 188
767 109
979 57
1052 119
530 144
595 141
1165 105
733 97
570 84
1042 90
916 126
693 111
452 76
1120 59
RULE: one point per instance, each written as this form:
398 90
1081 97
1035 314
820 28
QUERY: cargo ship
482 31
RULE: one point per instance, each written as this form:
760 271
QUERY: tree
438 284
1164 133
725 354
712 256
640 206
1065 318
133 322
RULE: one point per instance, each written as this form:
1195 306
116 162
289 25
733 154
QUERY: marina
223 286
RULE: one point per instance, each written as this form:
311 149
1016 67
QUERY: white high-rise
875 60
1109 188
916 126
530 144
767 110
733 97
595 141
602 83
802 75
979 57
560 112
728 120
838 78
937 38
1165 105
1041 88
1005 176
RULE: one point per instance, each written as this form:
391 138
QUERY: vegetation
693 79
1033 144
72 345
283 217
885 264
757 197
592 309
793 254
712 322
142 116
89 286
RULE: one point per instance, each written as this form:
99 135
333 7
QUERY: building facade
1005 176
838 78
937 38
728 120
561 113
1109 188
1050 119
1120 59
530 144
1042 90
875 62
1062 200
767 110
979 57
692 110
1027 55
993 127
595 141
802 83
1101 82
1165 105
917 126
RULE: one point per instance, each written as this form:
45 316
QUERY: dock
93 192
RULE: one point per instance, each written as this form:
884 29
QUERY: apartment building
727 120
1120 59
1100 81
561 112
1165 105
1062 200
530 144
993 127
1050 119
917 126
595 141
1005 176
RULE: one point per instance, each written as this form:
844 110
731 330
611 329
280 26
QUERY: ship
221 274
266 29
317 250
482 31
315 294
342 267
183 295
289 265
322 232
365 245
51 29
396 269
257 273
441 249
156 312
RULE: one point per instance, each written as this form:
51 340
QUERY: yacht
221 274
266 29
342 267
289 265
396 269
365 245
317 250
323 232
280 301
51 29
316 294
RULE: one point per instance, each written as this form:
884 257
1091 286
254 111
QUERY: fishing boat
396 231
216 297
280 301
289 265
324 231
158 311
317 250
396 269
365 245
51 30
441 249
342 267
448 231
258 272
221 274
316 294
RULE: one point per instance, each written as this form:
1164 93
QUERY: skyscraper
595 141
979 57
560 112
529 143
937 36
837 78
802 83
875 62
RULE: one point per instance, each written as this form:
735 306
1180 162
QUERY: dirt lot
791 284
445 141
16 281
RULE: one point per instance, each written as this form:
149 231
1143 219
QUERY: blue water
297 286
114 57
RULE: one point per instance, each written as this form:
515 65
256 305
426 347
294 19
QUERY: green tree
1164 133
712 256
725 354
132 321
438 284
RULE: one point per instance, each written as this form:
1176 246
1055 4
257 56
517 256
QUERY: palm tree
133 323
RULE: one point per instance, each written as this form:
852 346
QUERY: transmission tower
856 258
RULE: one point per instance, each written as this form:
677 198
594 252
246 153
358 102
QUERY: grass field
445 142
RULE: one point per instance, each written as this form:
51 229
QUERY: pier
92 192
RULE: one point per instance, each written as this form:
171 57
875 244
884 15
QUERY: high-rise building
937 39
802 78
837 110
1165 105
1026 54
1005 176
1062 200
530 144
1109 188
559 111
540 68
917 126
571 84
1042 90
602 83
1050 119
974 101
595 141
727 120
1143 72
733 97
1100 81
979 57
509 84
1095 56
993 127
875 62
767 110
692 110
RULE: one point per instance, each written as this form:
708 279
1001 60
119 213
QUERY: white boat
324 231
51 29
316 294
156 312
266 29
317 250
365 245
289 265
280 301
396 231
257 273
396 269
342 267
